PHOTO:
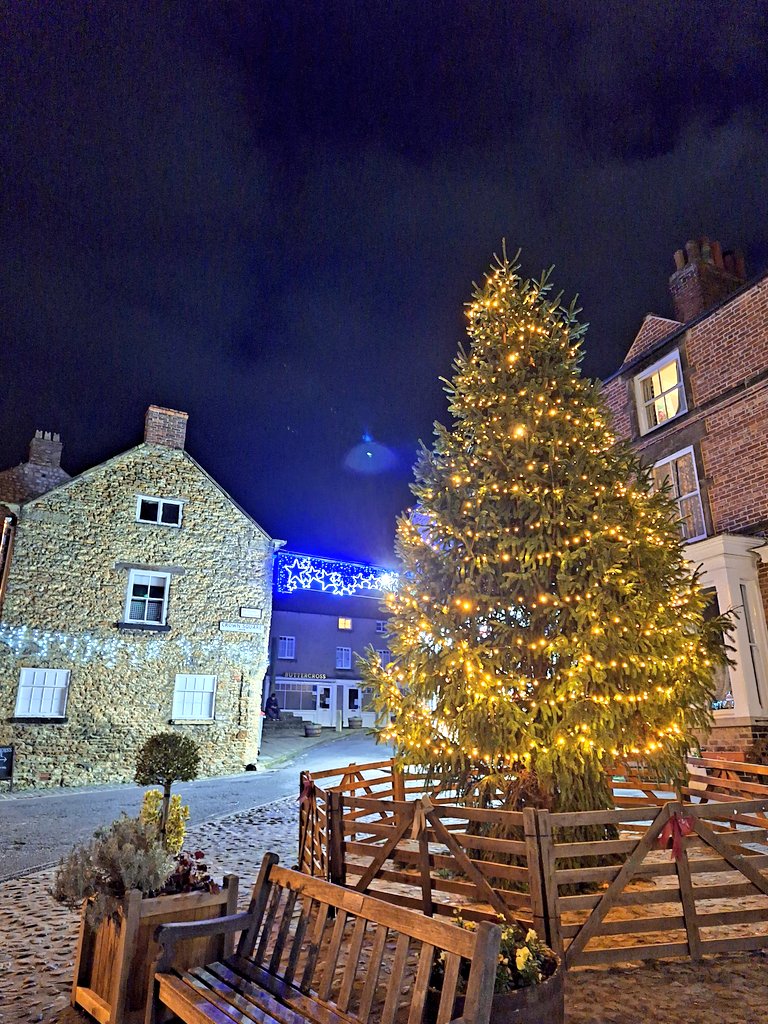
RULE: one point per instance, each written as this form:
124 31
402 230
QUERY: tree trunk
164 814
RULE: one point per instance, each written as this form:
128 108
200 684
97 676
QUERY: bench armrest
167 935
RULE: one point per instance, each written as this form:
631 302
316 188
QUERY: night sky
270 215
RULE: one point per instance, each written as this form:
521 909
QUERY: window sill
37 720
191 721
143 627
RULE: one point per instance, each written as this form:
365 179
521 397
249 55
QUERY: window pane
171 513
154 611
140 589
692 517
686 474
148 510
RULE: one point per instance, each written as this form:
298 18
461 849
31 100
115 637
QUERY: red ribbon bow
675 831
307 790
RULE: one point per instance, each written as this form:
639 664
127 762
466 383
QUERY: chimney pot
679 259
692 248
717 255
741 266
167 427
730 264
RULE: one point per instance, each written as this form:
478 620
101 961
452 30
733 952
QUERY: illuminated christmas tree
546 624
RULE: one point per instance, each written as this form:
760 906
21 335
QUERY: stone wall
67 592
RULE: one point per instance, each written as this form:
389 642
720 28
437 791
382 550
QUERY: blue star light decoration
331 576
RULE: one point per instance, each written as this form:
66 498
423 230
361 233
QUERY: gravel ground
38 940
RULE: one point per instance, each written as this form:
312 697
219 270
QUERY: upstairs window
286 648
385 656
343 657
147 600
660 393
345 623
679 472
381 626
194 698
161 511
42 693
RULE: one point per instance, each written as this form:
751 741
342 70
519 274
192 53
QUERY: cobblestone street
39 941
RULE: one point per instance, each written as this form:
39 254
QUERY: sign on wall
6 764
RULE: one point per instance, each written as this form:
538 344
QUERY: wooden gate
683 880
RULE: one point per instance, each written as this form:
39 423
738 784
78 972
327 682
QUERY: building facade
136 598
692 398
326 613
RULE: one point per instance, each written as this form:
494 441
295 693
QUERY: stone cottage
134 598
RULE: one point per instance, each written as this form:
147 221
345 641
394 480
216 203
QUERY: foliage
546 622
190 874
178 815
124 855
165 758
523 959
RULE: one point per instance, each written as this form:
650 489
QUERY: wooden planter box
113 962
534 1004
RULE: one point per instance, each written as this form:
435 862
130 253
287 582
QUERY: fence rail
667 873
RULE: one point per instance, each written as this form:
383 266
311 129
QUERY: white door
326 704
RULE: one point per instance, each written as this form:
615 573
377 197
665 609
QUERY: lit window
679 473
194 697
158 510
147 600
345 623
381 626
660 393
385 656
42 693
286 648
343 657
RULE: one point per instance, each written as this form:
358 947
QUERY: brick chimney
45 450
703 275
165 426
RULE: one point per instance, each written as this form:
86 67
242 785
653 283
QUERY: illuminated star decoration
294 572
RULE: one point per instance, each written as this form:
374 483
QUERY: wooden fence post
535 875
548 881
337 869
398 784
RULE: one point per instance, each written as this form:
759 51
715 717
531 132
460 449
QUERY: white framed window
296 696
194 697
147 598
345 623
286 648
343 657
754 651
381 626
679 471
660 393
161 511
42 693
385 656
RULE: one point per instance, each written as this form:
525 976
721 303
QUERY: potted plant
125 883
529 986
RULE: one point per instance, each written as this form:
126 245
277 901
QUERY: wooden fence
656 877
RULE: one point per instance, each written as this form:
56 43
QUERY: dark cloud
270 214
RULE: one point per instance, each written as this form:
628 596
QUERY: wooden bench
310 951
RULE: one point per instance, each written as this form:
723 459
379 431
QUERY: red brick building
692 397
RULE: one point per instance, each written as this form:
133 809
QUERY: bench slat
282 935
231 985
314 947
421 985
395 987
309 1007
298 941
325 987
374 968
353 958
230 1002
448 994
269 920
188 1004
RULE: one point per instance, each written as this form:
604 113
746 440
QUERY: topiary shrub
166 758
